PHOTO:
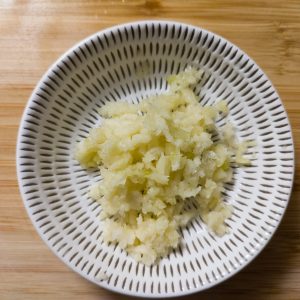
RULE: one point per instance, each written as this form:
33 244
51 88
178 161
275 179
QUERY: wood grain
35 33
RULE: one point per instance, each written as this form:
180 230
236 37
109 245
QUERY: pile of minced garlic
160 168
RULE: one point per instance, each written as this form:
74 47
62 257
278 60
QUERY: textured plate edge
102 284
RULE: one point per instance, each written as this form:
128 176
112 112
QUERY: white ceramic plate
132 61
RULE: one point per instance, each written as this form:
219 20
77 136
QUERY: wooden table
35 33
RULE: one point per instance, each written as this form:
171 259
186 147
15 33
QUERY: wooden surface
35 33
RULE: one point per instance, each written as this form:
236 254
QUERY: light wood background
35 33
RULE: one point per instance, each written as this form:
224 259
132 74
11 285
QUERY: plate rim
19 151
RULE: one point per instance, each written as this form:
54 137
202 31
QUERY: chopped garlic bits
160 168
